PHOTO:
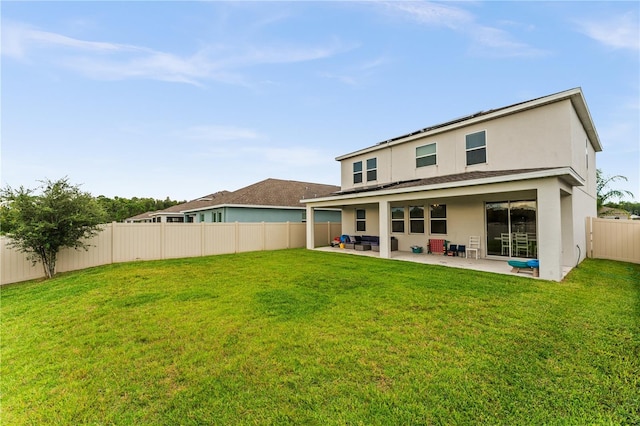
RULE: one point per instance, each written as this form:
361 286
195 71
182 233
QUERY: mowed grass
304 337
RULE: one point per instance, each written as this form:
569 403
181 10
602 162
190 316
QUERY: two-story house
527 169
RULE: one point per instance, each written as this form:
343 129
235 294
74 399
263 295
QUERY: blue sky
182 99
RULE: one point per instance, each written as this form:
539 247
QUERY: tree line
118 209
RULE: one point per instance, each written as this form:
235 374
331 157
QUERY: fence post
201 239
163 239
237 237
288 234
113 237
589 248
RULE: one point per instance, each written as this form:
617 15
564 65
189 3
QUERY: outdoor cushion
534 263
518 264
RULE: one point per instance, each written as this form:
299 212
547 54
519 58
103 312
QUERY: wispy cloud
619 32
357 74
113 61
219 133
19 39
434 14
490 41
485 40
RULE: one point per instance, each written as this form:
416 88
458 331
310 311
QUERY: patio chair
521 242
474 246
462 250
504 241
453 250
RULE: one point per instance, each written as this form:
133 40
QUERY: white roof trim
573 177
244 206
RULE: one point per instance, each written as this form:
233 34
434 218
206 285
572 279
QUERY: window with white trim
426 155
416 219
361 220
397 219
372 169
438 218
357 172
476 148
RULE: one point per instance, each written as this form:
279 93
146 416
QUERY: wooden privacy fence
126 242
613 239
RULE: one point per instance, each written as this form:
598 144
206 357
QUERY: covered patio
482 264
536 204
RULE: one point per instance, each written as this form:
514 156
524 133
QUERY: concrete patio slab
496 266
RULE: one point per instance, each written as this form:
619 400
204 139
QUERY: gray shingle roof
269 192
458 177
203 201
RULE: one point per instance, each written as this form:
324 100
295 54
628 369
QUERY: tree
42 224
602 188
119 209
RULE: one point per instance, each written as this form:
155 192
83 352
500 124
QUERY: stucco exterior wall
547 136
583 155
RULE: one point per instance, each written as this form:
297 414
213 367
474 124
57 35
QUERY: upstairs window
476 148
372 169
397 219
361 220
426 155
357 172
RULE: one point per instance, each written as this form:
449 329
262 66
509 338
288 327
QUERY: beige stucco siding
465 215
583 155
533 138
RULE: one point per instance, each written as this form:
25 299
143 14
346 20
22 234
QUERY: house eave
567 174
243 206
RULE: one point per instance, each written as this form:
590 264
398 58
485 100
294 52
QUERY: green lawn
304 337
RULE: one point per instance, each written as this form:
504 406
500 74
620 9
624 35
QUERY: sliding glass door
511 229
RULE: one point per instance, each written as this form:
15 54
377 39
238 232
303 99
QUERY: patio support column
311 220
550 230
385 238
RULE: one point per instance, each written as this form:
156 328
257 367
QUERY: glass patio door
511 229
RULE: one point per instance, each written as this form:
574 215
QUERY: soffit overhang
565 174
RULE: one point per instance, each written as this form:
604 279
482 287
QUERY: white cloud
358 74
18 39
112 61
486 40
434 14
490 41
216 133
619 32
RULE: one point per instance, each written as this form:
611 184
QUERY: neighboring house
141 218
613 213
527 169
271 200
174 214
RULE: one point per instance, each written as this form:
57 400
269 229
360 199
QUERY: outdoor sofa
365 242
